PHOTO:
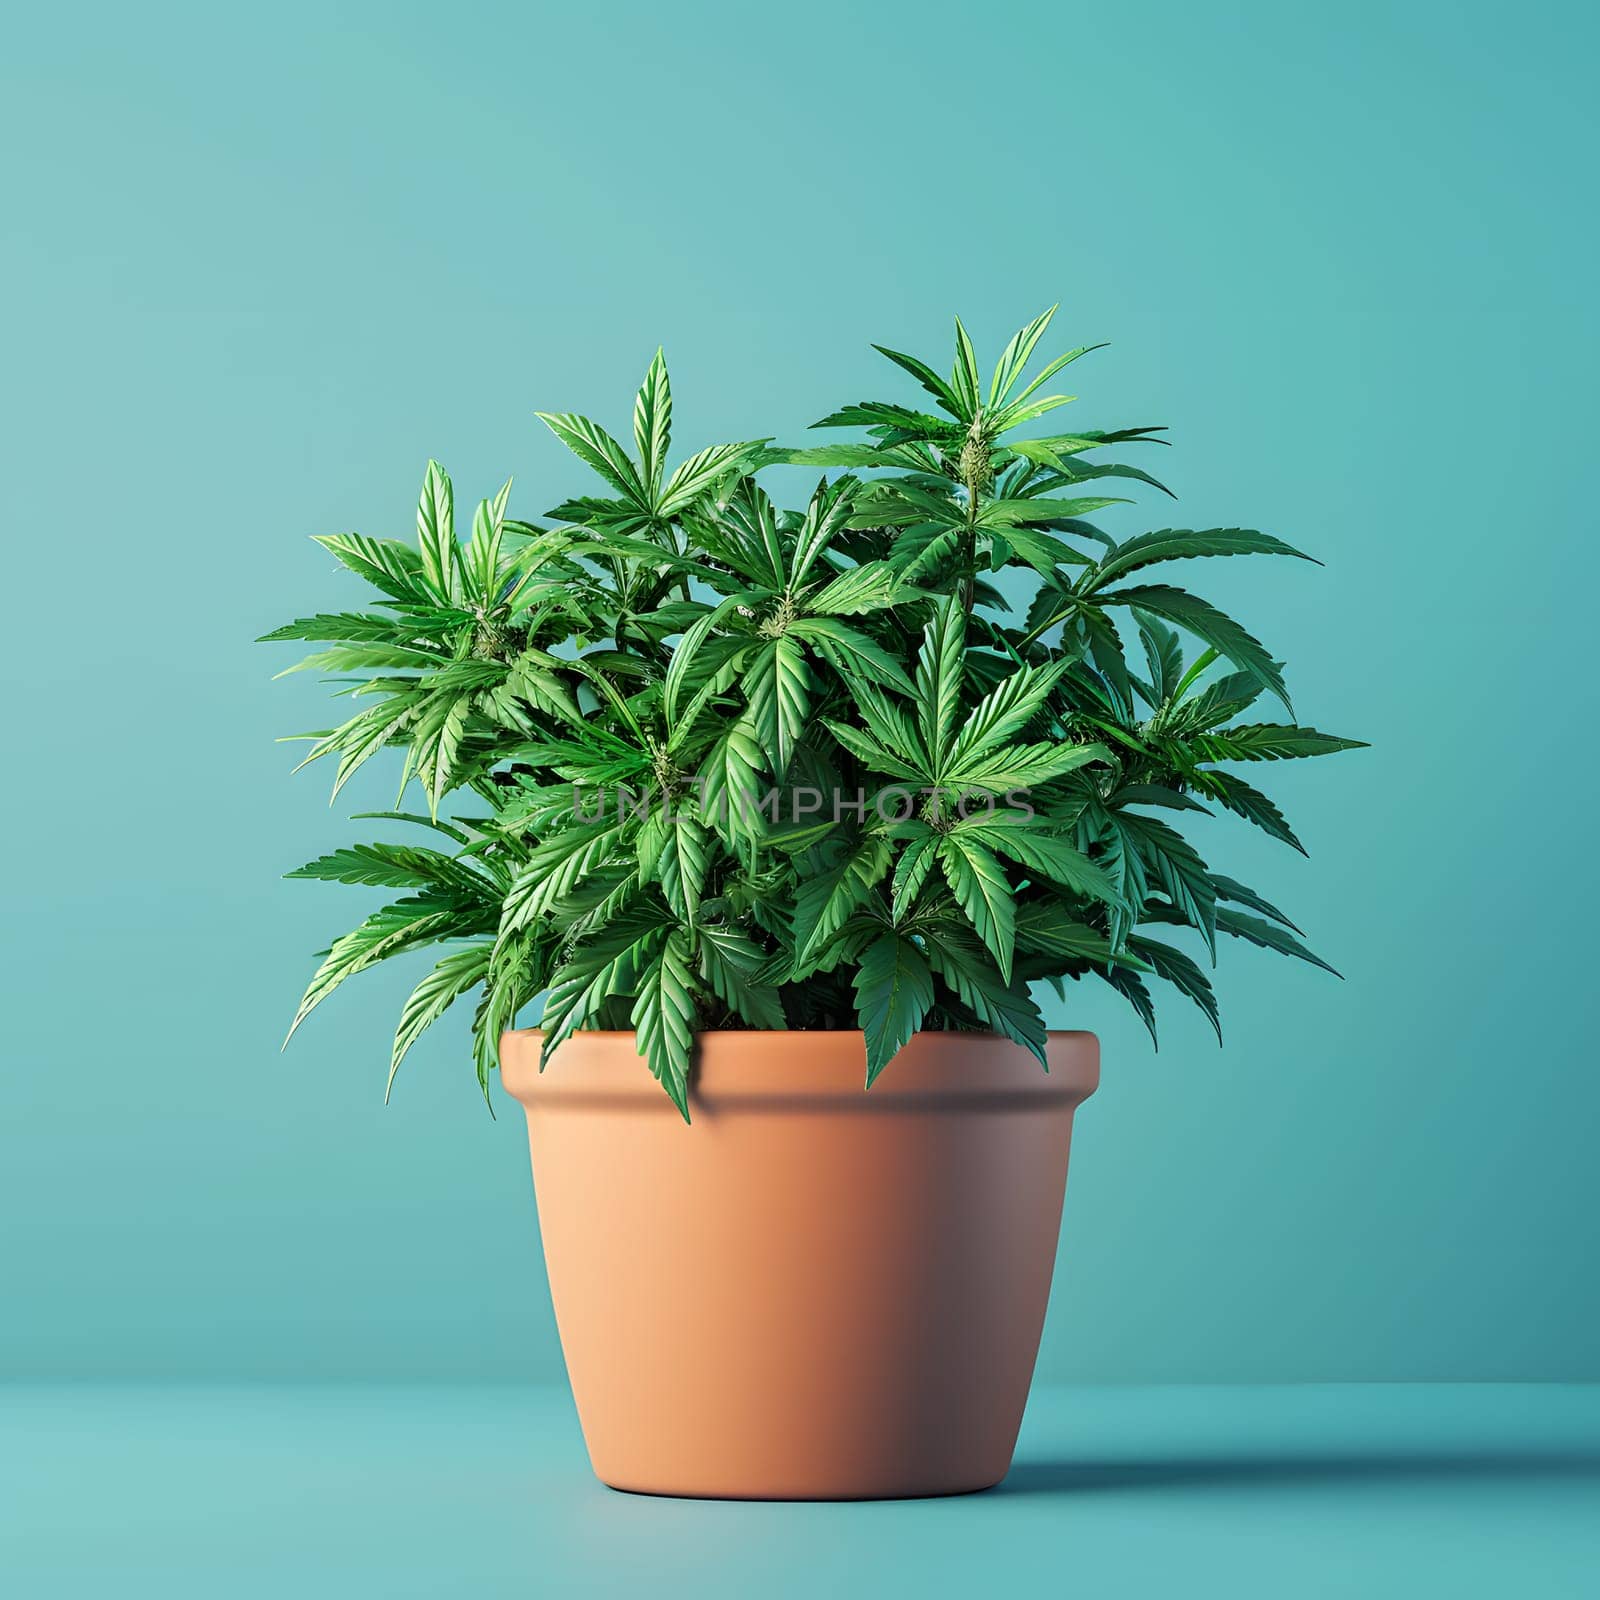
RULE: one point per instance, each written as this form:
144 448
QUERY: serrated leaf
1027 841
436 533
1267 741
386 564
979 884
595 447
1258 931
729 962
851 652
1247 802
894 988
1178 544
778 684
964 965
663 1018
450 979
940 663
652 422
684 863
1182 973
825 901
1203 620
405 925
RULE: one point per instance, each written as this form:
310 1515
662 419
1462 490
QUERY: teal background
260 265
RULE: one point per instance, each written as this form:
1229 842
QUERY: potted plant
774 807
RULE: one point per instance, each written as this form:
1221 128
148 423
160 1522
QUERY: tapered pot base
907 1492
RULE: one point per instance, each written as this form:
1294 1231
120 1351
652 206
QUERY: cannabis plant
691 760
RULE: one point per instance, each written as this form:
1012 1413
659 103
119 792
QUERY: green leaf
911 871
1132 988
1203 620
728 962
436 534
979 884
730 780
850 652
926 376
450 979
1002 513
1177 544
964 965
1027 767
685 861
1177 868
347 627
663 1018
553 868
1182 973
703 472
940 664
1244 801
823 523
1004 711
964 378
609 964
1258 931
405 925
778 684
386 564
596 448
1267 741
894 988
1049 928
1015 358
1020 411
1231 889
868 587
398 866
1164 654
824 903
652 422
876 757
1027 841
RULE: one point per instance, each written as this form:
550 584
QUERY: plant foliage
712 763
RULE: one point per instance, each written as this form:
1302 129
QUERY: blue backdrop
261 265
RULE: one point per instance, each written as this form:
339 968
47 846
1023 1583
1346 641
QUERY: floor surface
306 1492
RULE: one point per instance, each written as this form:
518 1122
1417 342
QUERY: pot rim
807 1068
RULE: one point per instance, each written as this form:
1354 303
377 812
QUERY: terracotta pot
815 1291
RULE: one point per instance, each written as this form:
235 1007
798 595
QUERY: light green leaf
436 534
450 979
851 652
594 446
778 684
652 422
386 564
1015 358
703 472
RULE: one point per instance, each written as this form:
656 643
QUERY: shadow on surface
1291 1471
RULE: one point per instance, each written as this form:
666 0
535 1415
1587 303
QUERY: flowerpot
815 1291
